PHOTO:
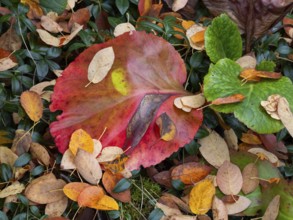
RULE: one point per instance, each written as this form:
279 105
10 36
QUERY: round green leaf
223 80
223 40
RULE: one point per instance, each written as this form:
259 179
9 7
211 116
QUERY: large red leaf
151 74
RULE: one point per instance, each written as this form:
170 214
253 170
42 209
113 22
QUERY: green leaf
42 69
23 199
122 185
6 172
178 185
156 214
122 5
223 40
113 214
54 5
3 216
192 147
20 216
266 65
37 170
22 160
223 80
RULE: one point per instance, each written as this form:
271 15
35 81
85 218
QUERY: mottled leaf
146 76
73 189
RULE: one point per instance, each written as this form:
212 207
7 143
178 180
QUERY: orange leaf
109 181
201 197
116 165
90 196
229 99
190 173
144 6
32 104
250 138
106 203
198 37
35 10
255 75
81 139
187 24
274 180
268 75
72 190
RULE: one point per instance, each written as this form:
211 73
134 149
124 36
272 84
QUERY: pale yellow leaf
272 210
285 114
6 63
219 210
88 167
97 147
13 189
229 178
192 31
7 156
67 161
101 64
38 88
264 153
247 62
178 4
123 28
194 101
240 205
168 211
109 154
214 149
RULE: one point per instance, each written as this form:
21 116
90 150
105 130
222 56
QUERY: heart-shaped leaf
145 78
223 80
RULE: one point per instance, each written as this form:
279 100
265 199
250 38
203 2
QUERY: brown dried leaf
168 211
50 25
90 196
239 206
182 205
193 101
229 99
7 60
32 104
264 154
272 210
285 114
81 17
166 126
250 138
229 178
270 105
231 139
219 210
88 167
164 178
57 208
21 142
214 149
249 183
109 154
178 4
40 153
45 190
10 40
190 173
229 199
247 62
38 88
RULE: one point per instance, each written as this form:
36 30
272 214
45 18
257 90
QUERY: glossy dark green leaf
146 25
156 214
20 216
23 199
113 214
201 133
178 185
15 86
53 65
122 5
25 68
42 69
6 172
114 21
122 185
282 134
37 170
35 211
54 5
288 171
22 160
196 60
53 52
192 148
3 216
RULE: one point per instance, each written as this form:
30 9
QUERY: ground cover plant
127 109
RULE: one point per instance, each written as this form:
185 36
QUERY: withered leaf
73 189
214 149
32 104
10 40
285 114
12 190
178 4
272 210
229 99
190 173
67 161
21 142
239 206
164 178
231 139
90 196
80 139
229 178
40 153
123 28
45 191
249 173
55 209
7 156
168 211
50 25
219 210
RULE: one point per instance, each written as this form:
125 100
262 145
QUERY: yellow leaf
35 10
32 104
166 126
187 24
198 37
201 197
106 203
73 189
81 139
4 138
117 165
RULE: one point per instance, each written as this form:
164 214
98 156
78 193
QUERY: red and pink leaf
145 78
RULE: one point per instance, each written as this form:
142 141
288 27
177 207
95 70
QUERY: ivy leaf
223 80
145 78
223 40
